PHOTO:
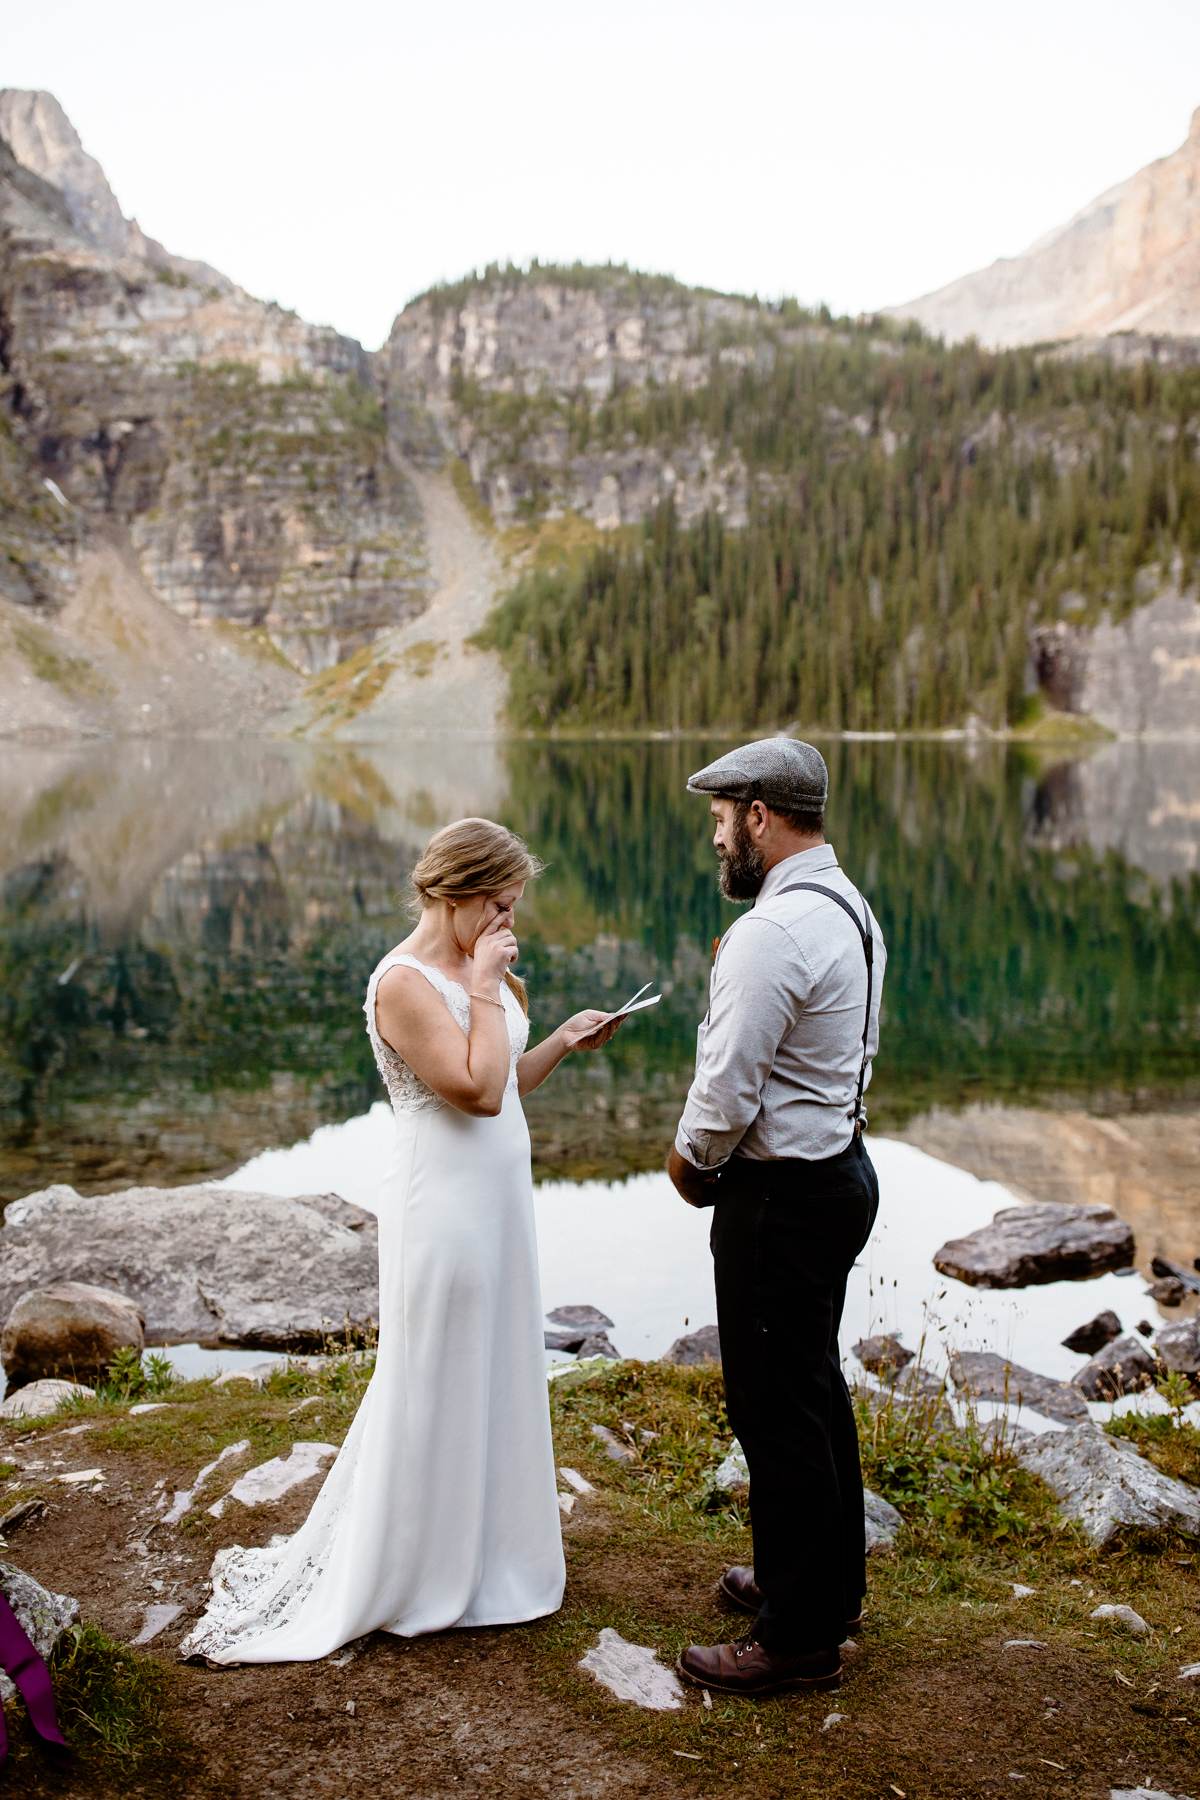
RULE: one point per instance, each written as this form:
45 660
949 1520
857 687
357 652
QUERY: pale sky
339 158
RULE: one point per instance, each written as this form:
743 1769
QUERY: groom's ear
757 817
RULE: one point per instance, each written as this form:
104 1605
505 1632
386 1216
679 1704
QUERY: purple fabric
31 1677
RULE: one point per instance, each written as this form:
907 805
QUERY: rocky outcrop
204 1263
696 1347
1140 676
1129 262
1026 1245
71 1329
1104 1484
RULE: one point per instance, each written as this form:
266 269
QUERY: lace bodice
406 1091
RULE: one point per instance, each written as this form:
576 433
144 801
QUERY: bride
441 1508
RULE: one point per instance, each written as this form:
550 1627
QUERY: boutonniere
716 945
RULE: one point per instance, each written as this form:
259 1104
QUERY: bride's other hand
494 953
590 1030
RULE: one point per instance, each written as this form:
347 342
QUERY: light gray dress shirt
777 1057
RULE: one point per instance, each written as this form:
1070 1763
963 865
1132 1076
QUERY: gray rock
1168 1291
1190 1672
1166 1270
1178 1346
1123 1616
1145 1328
1123 1367
42 1614
158 1617
883 1356
1102 1482
203 1263
1095 1334
613 1446
600 1344
589 1316
632 1672
696 1347
985 1376
1144 1793
570 1339
69 1329
1026 1245
882 1520
41 1398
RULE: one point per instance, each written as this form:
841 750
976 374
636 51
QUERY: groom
771 1136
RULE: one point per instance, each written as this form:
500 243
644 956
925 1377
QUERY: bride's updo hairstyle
470 858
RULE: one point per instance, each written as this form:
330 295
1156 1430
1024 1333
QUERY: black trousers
784 1238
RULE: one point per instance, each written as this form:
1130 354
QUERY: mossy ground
933 1703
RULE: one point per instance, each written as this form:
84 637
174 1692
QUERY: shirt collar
797 868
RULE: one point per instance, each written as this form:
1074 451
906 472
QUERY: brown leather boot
748 1667
738 1586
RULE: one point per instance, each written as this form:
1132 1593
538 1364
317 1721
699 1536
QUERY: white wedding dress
441 1508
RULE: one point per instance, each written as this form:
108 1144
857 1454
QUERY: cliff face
473 359
228 457
1129 262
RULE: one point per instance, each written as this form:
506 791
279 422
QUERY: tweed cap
780 771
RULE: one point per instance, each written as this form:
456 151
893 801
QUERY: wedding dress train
441 1508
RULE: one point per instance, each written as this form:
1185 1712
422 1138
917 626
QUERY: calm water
186 930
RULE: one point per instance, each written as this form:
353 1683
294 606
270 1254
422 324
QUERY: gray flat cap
780 771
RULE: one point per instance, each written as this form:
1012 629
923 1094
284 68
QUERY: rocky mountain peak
1129 261
43 140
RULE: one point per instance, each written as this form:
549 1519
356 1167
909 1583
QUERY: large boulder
201 1262
1025 1245
1104 1484
703 1346
1123 1367
71 1329
985 1376
42 1614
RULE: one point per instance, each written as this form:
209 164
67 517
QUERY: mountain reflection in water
186 930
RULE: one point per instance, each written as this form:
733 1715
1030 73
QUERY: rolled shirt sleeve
760 984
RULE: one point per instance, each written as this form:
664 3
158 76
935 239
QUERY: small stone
1178 1346
1168 1291
77 1477
42 1614
600 1344
613 1446
1095 1334
832 1719
1024 1644
41 1398
883 1522
1020 1591
574 1479
1191 1672
566 1505
20 1515
1165 1269
1122 1615
1124 1366
569 1339
255 1375
184 1496
696 1348
351 1708
633 1672
1145 1327
145 1406
590 1316
1143 1793
883 1356
269 1481
157 1619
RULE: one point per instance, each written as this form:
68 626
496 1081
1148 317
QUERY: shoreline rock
71 1330
1107 1486
204 1264
1027 1245
985 1376
1123 1367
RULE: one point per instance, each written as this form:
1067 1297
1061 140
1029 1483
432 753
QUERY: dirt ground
934 1705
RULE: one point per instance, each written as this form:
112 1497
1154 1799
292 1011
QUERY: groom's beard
742 872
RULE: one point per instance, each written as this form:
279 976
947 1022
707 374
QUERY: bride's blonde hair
470 858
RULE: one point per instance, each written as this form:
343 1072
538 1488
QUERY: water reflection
186 930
